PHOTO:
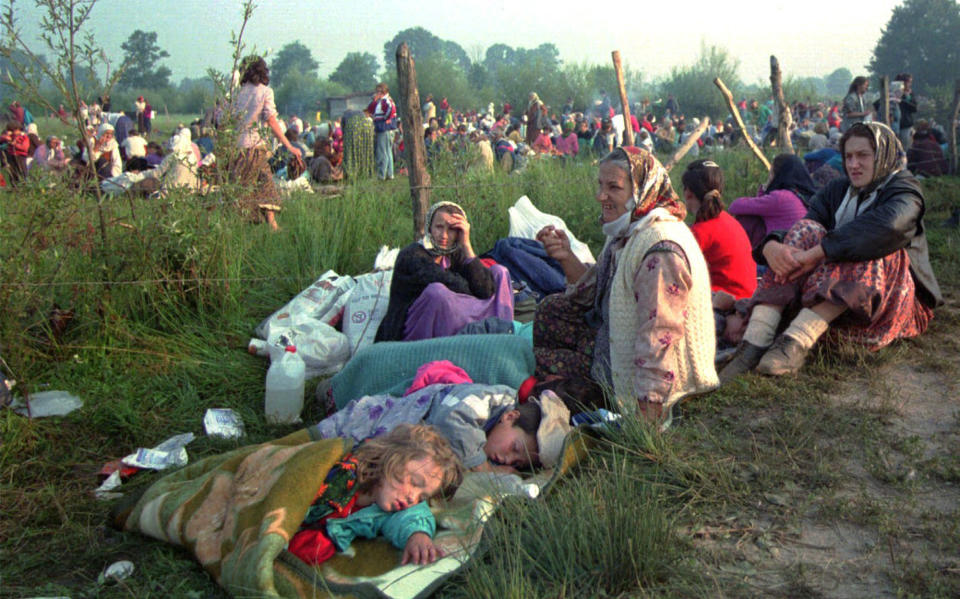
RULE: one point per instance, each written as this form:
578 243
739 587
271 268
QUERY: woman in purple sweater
780 203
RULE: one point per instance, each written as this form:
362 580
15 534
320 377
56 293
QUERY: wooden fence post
784 118
414 147
885 100
954 114
739 120
682 150
624 102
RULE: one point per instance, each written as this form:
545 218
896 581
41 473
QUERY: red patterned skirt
879 294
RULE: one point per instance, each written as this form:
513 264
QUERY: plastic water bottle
283 401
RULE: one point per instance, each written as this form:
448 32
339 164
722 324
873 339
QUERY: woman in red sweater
724 243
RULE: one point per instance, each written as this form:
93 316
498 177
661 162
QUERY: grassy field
840 482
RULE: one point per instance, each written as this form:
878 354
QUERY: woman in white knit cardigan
639 323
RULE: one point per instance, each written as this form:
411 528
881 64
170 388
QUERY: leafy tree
583 82
477 76
292 57
693 85
140 56
497 56
838 82
515 72
443 77
921 39
357 72
454 52
304 94
423 44
802 89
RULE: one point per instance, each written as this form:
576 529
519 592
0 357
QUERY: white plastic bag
366 308
323 349
47 403
306 321
526 221
321 301
386 258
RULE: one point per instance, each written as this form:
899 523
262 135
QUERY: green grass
722 505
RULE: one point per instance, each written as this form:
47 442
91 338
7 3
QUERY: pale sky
815 37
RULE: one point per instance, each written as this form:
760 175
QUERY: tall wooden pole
784 117
885 100
954 114
739 120
687 145
627 126
414 147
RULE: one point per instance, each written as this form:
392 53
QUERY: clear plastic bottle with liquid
283 400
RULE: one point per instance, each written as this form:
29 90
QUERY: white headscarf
181 146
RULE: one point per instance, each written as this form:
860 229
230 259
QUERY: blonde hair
386 456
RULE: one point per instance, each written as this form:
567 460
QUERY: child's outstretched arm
420 549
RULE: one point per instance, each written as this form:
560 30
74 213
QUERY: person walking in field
384 113
254 106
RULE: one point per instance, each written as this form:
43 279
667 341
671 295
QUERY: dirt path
887 521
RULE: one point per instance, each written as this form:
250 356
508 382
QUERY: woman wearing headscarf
857 262
535 122
105 153
780 203
50 156
178 169
439 285
638 323
567 143
254 107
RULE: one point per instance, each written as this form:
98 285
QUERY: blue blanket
388 367
527 261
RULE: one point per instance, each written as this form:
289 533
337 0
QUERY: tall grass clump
607 529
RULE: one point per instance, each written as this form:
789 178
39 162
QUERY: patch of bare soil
895 504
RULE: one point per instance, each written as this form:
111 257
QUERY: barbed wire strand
147 281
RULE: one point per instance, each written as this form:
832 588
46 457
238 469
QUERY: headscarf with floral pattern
651 183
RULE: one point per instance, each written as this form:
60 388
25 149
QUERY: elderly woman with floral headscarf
857 262
439 285
638 323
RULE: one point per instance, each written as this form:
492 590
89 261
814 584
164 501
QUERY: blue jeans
383 154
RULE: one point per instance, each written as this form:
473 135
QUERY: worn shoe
785 356
744 359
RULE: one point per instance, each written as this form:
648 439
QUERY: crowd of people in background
510 137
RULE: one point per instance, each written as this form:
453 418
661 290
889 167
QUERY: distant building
337 105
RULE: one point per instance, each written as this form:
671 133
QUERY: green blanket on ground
389 367
235 513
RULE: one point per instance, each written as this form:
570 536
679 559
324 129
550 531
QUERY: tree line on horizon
920 38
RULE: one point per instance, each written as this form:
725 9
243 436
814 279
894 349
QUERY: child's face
419 481
510 445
